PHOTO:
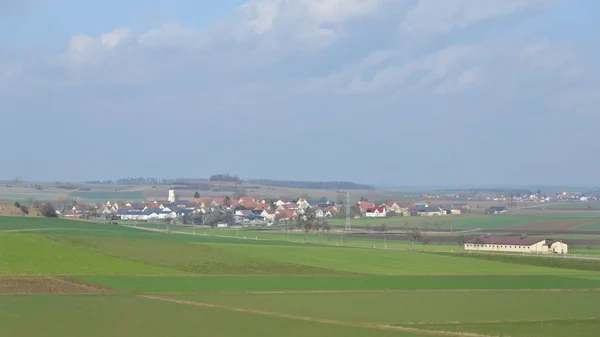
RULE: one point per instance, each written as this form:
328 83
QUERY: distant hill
314 185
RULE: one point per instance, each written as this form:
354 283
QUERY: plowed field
48 285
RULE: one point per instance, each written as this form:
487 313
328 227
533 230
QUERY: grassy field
399 308
157 284
461 222
335 283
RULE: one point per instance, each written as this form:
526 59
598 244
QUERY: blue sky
403 92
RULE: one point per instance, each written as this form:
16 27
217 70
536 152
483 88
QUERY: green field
94 279
336 283
461 222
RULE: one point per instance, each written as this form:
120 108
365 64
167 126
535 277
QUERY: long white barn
517 245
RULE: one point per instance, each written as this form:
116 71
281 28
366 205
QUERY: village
253 211
249 210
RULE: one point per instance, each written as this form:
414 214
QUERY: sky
402 92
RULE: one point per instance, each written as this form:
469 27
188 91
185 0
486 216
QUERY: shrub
49 211
17 204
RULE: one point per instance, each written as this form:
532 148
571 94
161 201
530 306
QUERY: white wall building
517 245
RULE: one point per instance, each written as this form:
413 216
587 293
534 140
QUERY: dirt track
48 285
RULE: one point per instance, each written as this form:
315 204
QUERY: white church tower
171 195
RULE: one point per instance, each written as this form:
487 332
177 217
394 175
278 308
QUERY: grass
335 283
278 287
16 223
536 261
194 258
36 255
388 262
590 226
332 238
458 222
122 315
548 328
423 307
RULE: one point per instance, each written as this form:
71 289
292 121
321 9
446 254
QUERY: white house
517 245
376 212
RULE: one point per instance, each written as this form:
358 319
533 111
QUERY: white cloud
83 48
462 82
434 17
280 66
340 10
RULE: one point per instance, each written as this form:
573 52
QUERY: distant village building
376 212
497 210
517 245
172 198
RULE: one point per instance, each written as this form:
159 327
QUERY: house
397 208
184 211
320 213
517 245
268 215
376 212
303 203
497 210
426 211
365 205
286 214
245 200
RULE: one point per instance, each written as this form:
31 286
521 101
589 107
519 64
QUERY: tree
425 241
239 193
413 235
272 204
48 211
61 202
17 204
461 240
306 221
24 209
227 202
196 195
325 226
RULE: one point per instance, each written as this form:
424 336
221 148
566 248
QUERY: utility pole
347 228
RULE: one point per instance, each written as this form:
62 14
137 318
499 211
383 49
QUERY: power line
347 228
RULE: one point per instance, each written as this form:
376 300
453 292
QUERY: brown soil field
48 285
9 209
551 225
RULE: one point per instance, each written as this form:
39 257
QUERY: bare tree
239 193
413 236
306 221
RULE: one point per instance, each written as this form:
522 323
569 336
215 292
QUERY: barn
516 245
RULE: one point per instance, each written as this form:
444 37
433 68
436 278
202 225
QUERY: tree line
313 185
133 181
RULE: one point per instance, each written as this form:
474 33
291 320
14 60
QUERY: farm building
127 215
497 210
517 245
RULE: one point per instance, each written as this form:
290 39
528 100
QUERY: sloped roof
505 240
